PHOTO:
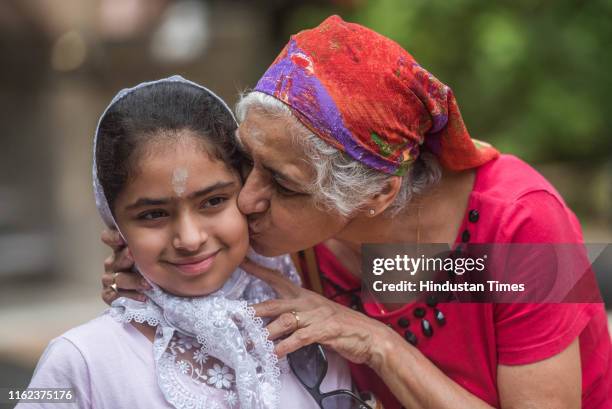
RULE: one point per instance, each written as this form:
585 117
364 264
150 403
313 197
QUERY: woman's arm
414 380
553 383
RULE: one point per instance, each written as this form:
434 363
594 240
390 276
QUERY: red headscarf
366 95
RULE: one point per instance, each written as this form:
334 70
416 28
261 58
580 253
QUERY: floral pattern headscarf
367 96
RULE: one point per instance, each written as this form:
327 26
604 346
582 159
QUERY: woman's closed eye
247 165
285 191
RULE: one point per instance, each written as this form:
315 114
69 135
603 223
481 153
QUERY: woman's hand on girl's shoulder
306 317
118 279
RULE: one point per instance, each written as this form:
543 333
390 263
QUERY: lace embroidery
213 352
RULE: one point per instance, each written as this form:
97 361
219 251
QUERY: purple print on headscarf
293 81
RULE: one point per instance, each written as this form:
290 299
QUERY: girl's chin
196 286
191 289
191 292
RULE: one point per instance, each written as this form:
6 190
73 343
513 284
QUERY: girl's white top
110 364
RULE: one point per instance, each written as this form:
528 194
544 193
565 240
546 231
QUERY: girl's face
179 216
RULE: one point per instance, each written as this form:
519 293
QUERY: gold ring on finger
113 285
297 320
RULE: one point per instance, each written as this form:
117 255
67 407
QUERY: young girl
166 175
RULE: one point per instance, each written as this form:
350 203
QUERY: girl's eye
152 215
214 202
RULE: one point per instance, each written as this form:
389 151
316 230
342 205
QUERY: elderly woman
351 141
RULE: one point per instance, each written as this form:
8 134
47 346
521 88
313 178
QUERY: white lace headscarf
210 351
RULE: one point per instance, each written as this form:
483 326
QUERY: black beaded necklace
431 301
420 312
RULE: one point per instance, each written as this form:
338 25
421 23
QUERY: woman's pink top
510 203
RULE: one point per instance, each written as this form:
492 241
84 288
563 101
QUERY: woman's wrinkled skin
281 213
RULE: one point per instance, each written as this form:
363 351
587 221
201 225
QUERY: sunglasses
309 364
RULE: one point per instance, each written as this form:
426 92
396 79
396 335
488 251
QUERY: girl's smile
185 233
195 265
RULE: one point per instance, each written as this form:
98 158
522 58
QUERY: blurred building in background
531 77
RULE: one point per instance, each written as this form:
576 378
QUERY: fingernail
142 298
145 285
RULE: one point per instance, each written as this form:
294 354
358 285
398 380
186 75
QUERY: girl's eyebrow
210 189
146 201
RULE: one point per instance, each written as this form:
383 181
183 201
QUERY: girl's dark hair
160 109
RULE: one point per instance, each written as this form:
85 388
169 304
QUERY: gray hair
342 183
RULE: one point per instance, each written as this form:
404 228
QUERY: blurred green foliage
531 76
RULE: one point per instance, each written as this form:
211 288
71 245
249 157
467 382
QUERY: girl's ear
381 201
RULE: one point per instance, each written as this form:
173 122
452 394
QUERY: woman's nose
254 196
189 235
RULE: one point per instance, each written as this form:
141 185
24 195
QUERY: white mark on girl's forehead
179 181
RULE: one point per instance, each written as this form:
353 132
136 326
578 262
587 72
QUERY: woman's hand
352 334
364 340
117 269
